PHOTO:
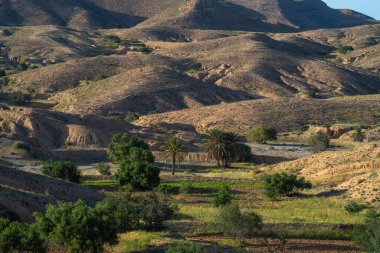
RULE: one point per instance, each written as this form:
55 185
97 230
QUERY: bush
141 175
186 188
2 73
103 169
237 224
319 142
20 98
186 248
64 170
223 196
132 116
145 50
354 207
168 189
156 209
21 145
284 184
262 134
77 227
17 237
6 127
125 209
240 152
120 148
112 39
31 88
343 49
367 236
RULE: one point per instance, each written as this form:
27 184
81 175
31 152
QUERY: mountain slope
258 15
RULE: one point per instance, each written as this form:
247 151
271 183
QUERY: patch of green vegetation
100 183
214 184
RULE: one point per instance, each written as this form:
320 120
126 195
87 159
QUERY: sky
368 7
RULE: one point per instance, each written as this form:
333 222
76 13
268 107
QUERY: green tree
173 148
277 185
156 209
358 135
125 209
367 235
139 174
261 134
121 145
15 236
237 224
77 227
319 142
65 170
222 196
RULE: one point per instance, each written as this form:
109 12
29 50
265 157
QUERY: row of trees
80 228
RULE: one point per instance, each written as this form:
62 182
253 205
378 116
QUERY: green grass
141 241
214 184
100 183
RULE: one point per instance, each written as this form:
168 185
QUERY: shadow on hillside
323 194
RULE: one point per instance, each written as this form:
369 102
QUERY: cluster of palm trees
218 144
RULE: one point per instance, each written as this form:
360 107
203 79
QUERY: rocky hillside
258 15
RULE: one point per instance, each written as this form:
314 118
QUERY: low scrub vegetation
64 170
283 184
223 196
319 142
354 207
367 235
262 134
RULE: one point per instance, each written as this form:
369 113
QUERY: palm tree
358 135
216 145
174 148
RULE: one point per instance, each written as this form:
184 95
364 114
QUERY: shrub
112 39
125 209
132 116
64 170
120 148
223 196
31 88
262 134
237 224
168 189
21 145
186 248
6 127
77 227
2 73
284 184
367 235
17 237
354 207
186 188
103 169
156 209
20 98
139 174
319 142
343 49
240 152
145 50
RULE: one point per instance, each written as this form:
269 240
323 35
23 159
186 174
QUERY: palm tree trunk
173 164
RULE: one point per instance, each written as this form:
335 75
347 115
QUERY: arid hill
286 115
258 15
23 192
